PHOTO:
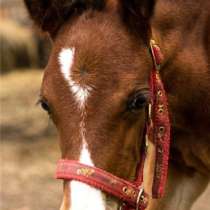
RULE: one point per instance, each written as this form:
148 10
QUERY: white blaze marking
66 59
83 197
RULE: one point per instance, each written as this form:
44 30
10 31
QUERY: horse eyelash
38 103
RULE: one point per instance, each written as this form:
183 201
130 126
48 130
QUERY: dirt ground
29 149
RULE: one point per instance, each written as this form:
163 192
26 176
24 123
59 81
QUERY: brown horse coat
182 29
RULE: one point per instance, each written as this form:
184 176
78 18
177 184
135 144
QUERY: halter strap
159 128
126 191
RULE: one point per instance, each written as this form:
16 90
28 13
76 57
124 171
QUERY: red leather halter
132 194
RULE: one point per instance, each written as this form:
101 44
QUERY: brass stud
161 129
160 132
160 111
129 191
161 108
125 189
159 93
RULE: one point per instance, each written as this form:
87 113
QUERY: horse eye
45 106
137 101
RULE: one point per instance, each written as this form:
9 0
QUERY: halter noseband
158 131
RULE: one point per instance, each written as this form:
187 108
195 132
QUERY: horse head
96 88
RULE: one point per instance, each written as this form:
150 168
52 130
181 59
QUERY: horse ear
138 13
49 15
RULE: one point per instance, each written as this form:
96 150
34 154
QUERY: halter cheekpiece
132 194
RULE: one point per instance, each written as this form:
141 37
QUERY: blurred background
29 148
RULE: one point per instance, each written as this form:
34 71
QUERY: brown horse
95 88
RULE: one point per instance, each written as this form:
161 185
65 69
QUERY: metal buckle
152 45
121 206
150 112
140 197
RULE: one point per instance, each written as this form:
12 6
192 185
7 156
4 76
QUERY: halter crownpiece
159 128
132 194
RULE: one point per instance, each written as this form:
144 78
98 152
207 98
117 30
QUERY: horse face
96 90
